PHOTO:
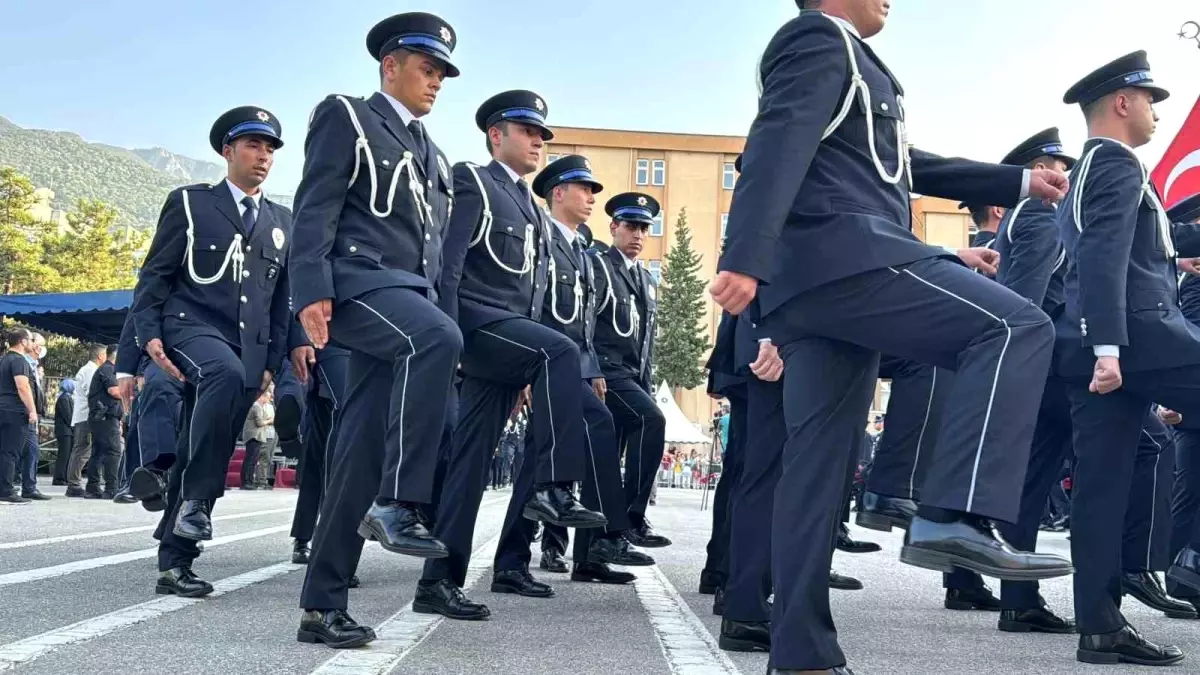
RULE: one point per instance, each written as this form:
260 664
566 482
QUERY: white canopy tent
679 428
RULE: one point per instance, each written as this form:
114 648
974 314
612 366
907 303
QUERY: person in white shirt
82 451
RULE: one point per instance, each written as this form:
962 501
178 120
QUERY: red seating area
285 477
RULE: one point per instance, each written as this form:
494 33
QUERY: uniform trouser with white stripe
934 311
1106 433
214 371
641 430
1185 501
160 403
752 504
602 491
498 361
319 427
1051 445
1146 543
732 462
914 415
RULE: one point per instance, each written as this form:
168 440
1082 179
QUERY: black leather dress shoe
193 521
740 636
520 582
719 602
972 599
399 528
971 544
334 628
93 494
844 583
1036 620
147 484
155 504
880 512
183 582
644 536
36 496
75 491
1146 589
710 581
840 670
443 597
615 550
555 503
123 497
848 545
300 552
1125 646
552 561
600 574
1186 568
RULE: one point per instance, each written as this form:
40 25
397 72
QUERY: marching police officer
497 261
211 308
625 325
372 209
569 189
1122 342
855 283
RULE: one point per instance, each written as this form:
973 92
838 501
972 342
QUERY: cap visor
1158 94
275 140
451 69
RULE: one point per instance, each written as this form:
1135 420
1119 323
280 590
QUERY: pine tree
682 340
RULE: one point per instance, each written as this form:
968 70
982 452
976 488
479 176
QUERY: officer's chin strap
611 297
554 296
1079 176
859 86
484 232
362 149
233 255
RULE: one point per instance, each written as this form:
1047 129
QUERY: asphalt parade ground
77 596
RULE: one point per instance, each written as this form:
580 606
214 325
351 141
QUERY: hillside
134 181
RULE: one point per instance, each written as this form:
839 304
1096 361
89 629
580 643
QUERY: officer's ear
997 212
227 151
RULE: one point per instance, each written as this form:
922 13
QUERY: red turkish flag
1177 175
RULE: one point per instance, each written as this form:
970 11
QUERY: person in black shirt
17 410
64 432
104 419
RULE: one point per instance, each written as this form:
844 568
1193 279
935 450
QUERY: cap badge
586 164
537 103
642 201
264 116
445 33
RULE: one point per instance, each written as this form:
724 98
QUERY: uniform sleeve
1189 299
468 211
1187 239
1032 250
329 158
129 355
966 180
1109 210
162 263
803 72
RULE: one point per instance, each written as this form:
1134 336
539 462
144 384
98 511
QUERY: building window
552 158
643 172
724 223
656 229
655 269
659 176
728 176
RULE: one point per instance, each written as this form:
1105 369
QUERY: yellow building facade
696 173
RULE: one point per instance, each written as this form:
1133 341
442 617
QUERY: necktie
524 188
418 134
578 254
249 215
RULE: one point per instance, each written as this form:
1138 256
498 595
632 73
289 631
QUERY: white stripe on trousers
1153 494
549 405
987 417
403 391
912 477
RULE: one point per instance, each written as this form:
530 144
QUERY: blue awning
95 316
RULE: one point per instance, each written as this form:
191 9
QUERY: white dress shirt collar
405 114
239 194
571 235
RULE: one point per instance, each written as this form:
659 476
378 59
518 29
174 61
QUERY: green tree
682 341
93 253
21 268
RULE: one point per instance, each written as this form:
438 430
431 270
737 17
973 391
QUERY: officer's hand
266 381
125 387
33 417
1049 185
768 367
733 291
315 318
302 358
983 259
154 349
1106 375
1169 416
1189 265
600 387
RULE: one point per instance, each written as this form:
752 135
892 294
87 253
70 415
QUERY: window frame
640 166
655 166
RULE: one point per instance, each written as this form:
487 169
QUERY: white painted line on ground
689 647
129 530
93 563
24 651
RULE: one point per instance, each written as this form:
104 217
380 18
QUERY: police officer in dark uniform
1122 342
820 218
625 326
372 210
569 189
497 262
211 307
1185 499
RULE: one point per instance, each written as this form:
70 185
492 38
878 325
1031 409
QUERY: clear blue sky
980 75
